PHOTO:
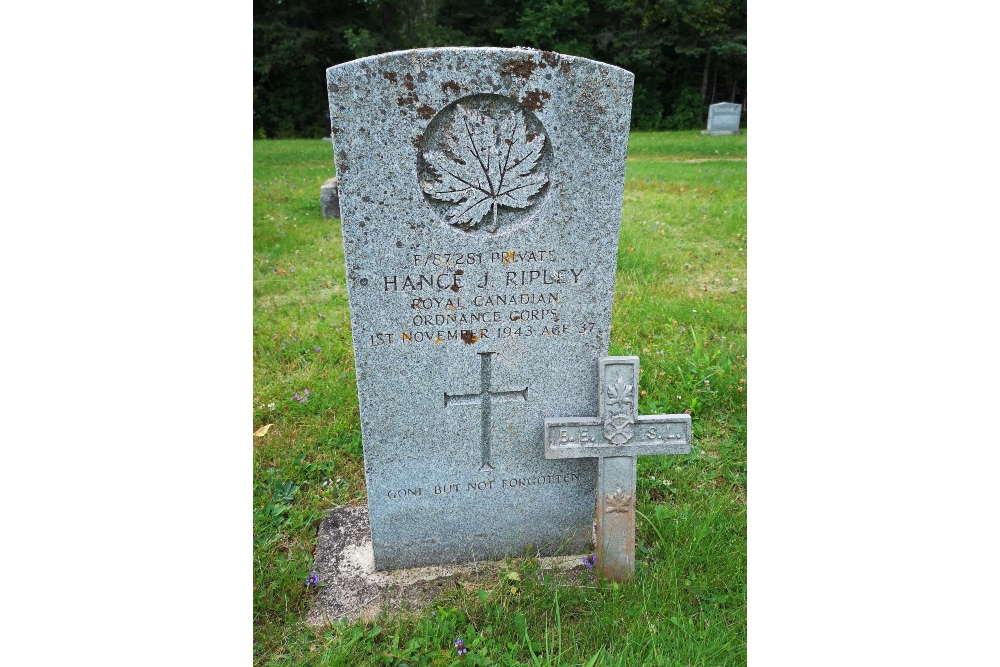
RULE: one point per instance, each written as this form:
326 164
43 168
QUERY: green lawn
680 305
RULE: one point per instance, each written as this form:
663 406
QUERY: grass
680 305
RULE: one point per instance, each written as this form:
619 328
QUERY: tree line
685 54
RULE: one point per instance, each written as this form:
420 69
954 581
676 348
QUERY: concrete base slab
345 562
720 133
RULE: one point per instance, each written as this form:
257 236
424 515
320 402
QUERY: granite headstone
480 193
724 118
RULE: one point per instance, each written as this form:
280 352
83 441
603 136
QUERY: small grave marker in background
724 118
329 201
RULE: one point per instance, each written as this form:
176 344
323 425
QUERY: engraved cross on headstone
616 437
486 397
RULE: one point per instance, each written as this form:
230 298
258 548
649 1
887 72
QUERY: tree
685 54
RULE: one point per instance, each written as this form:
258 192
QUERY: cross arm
573 438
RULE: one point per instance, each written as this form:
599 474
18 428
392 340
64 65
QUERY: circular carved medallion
484 164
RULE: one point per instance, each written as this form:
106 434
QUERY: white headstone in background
724 118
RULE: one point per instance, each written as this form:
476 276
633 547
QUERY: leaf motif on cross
618 501
620 394
484 164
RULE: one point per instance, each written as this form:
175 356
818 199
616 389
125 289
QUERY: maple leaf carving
485 163
617 501
619 393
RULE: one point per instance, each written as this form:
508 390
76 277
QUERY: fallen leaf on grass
262 431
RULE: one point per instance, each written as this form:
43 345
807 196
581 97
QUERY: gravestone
329 200
615 438
480 193
724 118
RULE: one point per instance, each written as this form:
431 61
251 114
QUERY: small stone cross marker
616 437
485 399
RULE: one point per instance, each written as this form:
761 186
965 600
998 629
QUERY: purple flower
312 579
301 399
590 561
317 349
460 645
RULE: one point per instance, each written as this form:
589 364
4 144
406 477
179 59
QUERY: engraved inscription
404 493
571 437
507 484
505 257
662 433
576 435
454 281
460 305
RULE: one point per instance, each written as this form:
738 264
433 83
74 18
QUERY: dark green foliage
688 111
551 25
685 54
294 41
